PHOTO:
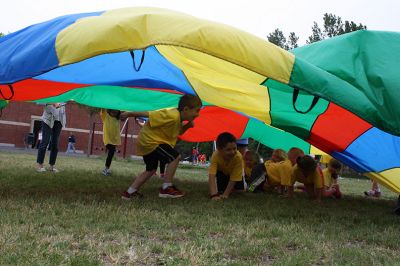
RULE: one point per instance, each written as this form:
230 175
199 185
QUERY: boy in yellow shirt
156 143
297 168
111 135
277 171
226 167
305 171
330 174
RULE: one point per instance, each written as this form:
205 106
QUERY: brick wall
17 121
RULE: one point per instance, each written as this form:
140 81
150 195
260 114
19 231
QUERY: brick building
20 118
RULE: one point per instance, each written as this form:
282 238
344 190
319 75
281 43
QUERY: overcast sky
256 17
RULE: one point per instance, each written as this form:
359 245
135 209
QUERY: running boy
156 141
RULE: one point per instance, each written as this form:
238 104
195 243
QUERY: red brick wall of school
16 122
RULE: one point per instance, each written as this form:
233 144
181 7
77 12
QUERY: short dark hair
224 138
188 100
307 164
335 164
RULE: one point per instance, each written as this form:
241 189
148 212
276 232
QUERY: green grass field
76 217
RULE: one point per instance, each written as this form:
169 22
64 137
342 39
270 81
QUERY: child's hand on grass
216 198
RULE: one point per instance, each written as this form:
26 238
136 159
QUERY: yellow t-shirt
328 180
313 179
325 158
232 168
111 126
279 173
163 127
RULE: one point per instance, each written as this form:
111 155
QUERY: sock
165 185
131 190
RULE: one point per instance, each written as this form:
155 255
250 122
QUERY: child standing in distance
156 141
226 168
71 143
195 154
330 174
111 135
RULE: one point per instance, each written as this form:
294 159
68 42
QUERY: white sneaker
54 170
41 169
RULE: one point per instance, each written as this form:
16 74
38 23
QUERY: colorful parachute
340 95
3 104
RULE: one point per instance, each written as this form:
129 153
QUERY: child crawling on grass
226 167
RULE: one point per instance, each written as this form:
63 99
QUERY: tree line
332 26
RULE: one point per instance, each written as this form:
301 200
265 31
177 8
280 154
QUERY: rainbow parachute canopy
339 95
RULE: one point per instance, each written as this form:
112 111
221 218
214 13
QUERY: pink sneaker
372 193
337 193
170 192
377 194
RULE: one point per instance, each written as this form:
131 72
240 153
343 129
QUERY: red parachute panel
336 129
213 121
32 89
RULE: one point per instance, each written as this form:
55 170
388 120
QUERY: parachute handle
133 59
12 93
296 94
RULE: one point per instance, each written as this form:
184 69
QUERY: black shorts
258 177
163 153
223 180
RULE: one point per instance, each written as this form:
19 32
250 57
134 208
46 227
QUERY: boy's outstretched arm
185 127
212 187
125 115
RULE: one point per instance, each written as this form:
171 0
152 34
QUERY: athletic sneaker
106 172
256 183
54 170
41 169
372 193
126 196
170 192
